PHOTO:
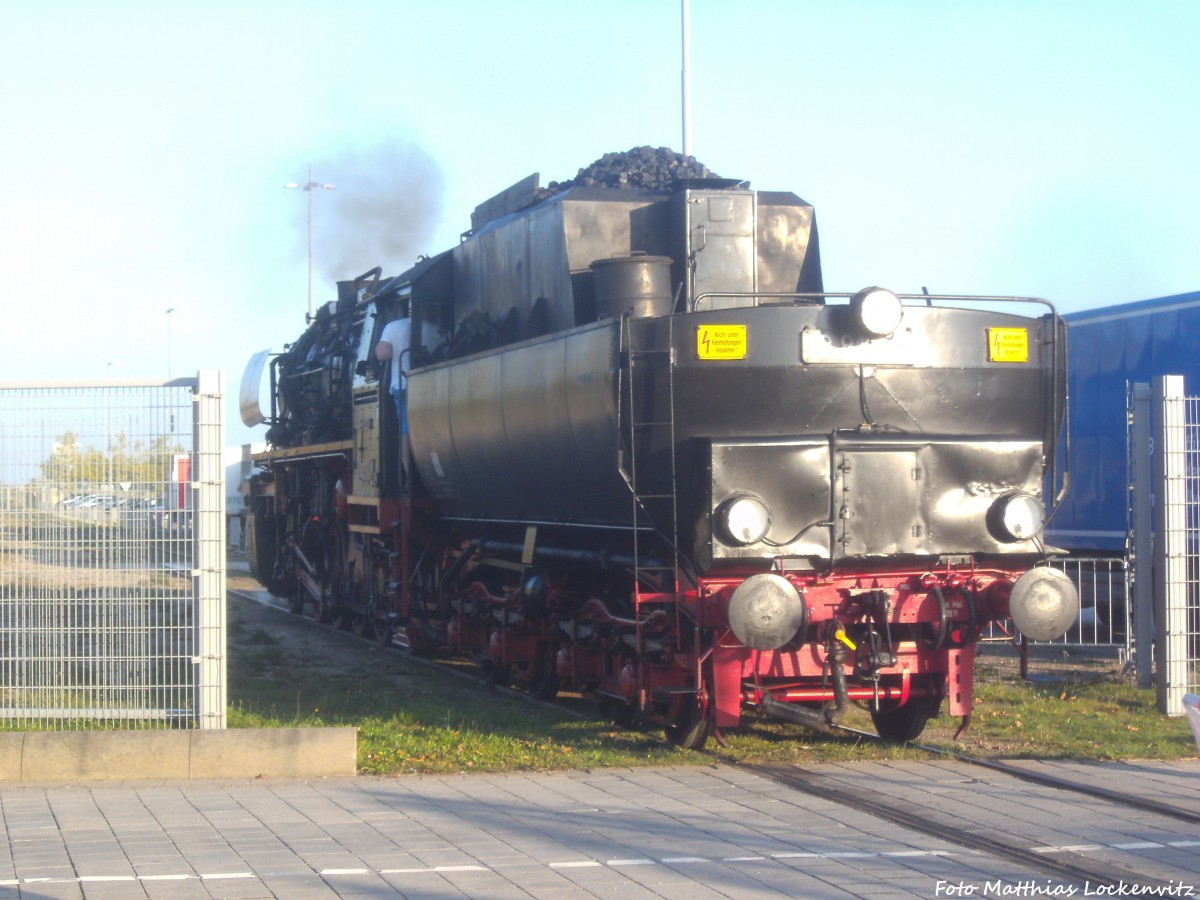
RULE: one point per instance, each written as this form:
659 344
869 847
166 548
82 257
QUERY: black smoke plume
383 210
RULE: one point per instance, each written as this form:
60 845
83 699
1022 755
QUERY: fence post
1143 562
1170 542
209 550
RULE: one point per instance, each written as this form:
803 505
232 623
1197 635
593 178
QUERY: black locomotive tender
657 463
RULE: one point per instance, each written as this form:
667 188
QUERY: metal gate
112 543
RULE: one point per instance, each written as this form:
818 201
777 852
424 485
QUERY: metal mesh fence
1105 586
1104 590
1165 452
1177 601
1190 620
99 619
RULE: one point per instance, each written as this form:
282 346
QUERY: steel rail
1071 867
1065 784
1052 781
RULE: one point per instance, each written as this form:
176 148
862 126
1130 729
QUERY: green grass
1103 719
414 718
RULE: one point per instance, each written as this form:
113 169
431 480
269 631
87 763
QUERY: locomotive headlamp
877 311
743 519
1016 516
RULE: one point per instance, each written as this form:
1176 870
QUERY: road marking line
220 876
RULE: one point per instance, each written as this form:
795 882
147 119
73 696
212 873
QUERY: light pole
686 79
309 186
170 310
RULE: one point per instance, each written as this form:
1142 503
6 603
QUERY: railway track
1065 865
1061 863
1122 798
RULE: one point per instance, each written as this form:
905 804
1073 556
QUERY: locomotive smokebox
638 282
1043 604
766 612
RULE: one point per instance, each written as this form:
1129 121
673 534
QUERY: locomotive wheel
905 723
371 622
690 728
496 673
545 685
296 597
333 576
374 627
323 609
618 712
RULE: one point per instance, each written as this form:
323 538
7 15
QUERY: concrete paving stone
688 890
292 867
300 889
604 882
237 888
164 867
394 860
360 882
53 890
281 861
447 857
177 890
875 891
319 862
493 891
421 884
55 868
207 863
497 857
129 890
480 884
104 869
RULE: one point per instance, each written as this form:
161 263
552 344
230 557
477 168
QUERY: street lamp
309 186
169 311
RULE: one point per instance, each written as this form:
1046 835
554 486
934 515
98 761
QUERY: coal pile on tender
642 167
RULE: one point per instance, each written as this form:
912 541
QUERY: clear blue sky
1048 147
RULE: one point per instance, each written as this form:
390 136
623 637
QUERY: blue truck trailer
1110 348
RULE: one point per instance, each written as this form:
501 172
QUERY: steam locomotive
644 455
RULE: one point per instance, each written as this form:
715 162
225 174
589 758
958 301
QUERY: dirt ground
270 633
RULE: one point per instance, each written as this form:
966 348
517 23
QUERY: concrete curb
126 755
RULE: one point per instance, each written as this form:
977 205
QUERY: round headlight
744 519
877 311
1016 517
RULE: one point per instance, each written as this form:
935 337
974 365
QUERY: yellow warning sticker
1010 345
721 341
